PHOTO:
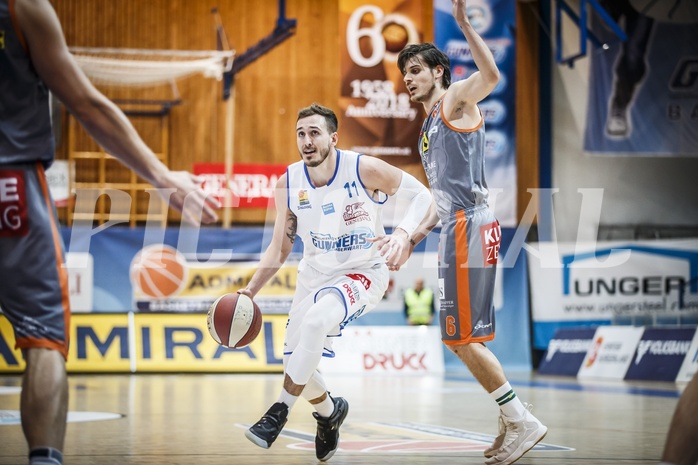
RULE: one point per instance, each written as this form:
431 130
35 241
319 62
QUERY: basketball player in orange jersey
452 147
34 60
332 201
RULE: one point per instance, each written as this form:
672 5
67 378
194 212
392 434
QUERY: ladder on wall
91 168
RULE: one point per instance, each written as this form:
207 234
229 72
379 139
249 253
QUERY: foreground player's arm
381 176
102 119
462 96
283 237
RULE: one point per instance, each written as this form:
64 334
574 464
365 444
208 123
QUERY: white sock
509 404
325 408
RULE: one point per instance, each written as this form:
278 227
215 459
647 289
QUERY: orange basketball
234 320
159 271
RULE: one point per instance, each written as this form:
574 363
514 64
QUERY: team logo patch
13 204
2 39
328 208
303 199
354 213
491 240
425 143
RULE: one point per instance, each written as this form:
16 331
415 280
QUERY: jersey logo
354 240
361 278
13 204
328 208
2 39
491 240
354 213
303 199
425 143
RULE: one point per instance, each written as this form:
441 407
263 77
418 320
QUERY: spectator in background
419 304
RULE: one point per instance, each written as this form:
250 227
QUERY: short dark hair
430 55
315 109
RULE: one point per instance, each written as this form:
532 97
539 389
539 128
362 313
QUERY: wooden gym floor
199 419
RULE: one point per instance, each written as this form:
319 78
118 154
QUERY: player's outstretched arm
479 85
102 119
283 237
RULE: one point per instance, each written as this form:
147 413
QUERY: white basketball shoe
499 440
520 436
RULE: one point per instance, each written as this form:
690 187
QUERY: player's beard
324 153
421 98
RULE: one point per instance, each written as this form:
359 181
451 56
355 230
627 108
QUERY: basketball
234 320
159 271
395 37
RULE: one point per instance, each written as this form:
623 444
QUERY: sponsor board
689 368
566 351
660 354
387 350
80 267
155 343
164 280
249 186
596 283
58 180
611 352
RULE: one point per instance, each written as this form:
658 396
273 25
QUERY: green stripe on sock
506 397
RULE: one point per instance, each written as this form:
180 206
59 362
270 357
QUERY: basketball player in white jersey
332 201
452 148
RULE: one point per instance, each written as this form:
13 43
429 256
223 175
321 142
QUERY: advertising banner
58 180
163 280
250 186
660 353
376 113
566 351
578 284
404 350
140 343
494 20
643 93
611 352
80 266
689 368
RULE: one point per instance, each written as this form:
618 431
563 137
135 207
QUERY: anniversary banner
376 113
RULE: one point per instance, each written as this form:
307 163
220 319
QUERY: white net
140 67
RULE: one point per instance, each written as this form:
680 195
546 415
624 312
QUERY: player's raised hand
459 10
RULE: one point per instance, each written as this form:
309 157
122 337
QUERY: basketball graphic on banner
159 271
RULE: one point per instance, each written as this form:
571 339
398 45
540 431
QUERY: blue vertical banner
494 20
643 92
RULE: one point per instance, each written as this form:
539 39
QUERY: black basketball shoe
327 437
267 429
